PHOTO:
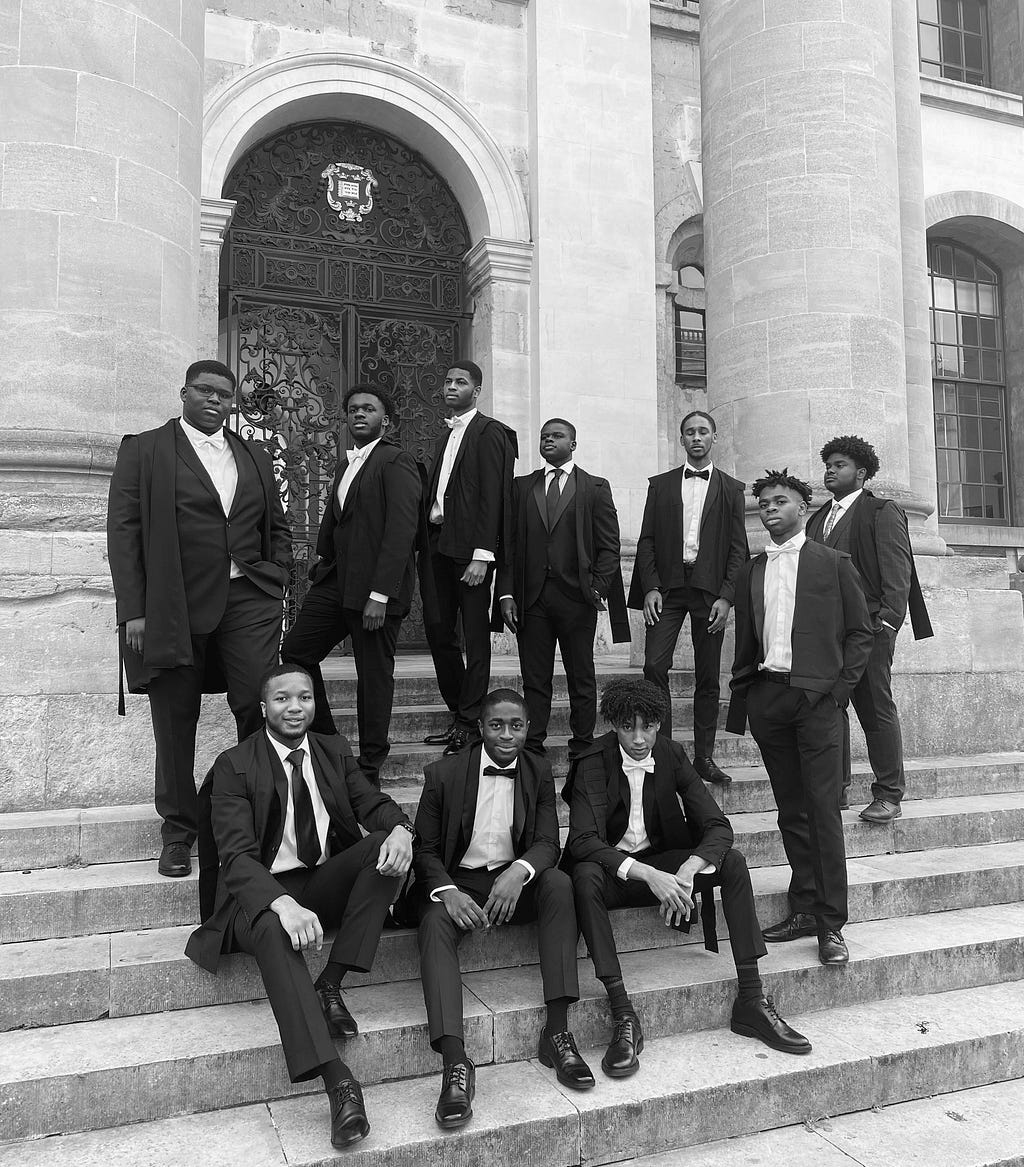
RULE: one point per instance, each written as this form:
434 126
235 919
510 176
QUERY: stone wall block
727 22
740 112
839 413
809 211
10 30
178 292
769 284
165 13
835 45
305 14
809 352
996 632
168 70
117 120
23 747
874 222
868 103
949 651
838 277
28 260
112 269
748 210
771 431
835 148
73 625
38 106
767 52
767 156
78 35
79 553
876 353
778 12
45 177
153 202
190 155
811 95
738 365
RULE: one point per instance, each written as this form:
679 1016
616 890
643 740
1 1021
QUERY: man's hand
475 573
505 893
395 853
652 607
135 633
673 893
720 610
463 909
509 614
373 615
302 925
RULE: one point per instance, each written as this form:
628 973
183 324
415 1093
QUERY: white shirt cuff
530 872
500 598
381 599
435 895
486 556
892 626
624 866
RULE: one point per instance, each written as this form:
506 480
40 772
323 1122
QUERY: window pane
970 435
945 327
928 9
691 277
986 274
967 398
947 361
952 459
988 299
944 260
989 403
942 293
929 42
993 466
970 363
966 296
950 398
995 502
954 503
988 331
931 70
952 51
690 320
963 263
972 15
991 365
969 330
970 467
950 13
973 502
973 58
975 78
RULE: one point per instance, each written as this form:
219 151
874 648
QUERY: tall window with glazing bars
953 37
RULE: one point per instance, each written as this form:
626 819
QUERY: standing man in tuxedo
487 855
559 569
803 637
692 544
285 808
469 478
362 584
873 532
644 830
200 555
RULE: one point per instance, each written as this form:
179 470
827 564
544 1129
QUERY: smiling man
200 555
286 808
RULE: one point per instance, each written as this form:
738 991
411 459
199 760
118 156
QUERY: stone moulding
498 259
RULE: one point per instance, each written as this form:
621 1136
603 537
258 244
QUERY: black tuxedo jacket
591 551
874 532
242 811
678 811
371 541
832 634
169 542
447 808
723 538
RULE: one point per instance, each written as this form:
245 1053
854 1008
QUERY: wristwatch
407 826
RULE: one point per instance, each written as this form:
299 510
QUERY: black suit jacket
832 634
371 541
244 797
874 532
723 538
447 808
523 562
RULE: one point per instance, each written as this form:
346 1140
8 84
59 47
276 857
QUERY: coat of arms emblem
350 190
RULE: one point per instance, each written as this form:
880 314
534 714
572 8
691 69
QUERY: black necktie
553 496
705 474
496 772
307 842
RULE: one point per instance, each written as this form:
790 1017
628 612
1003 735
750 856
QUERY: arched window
953 36
969 385
689 328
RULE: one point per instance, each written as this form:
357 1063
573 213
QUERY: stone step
692 1086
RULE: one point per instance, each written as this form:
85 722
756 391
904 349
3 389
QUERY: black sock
558 1015
749 981
332 975
618 998
334 1072
452 1050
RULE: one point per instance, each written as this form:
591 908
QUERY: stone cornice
498 259
214 220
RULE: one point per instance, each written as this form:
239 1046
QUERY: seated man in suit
803 637
363 582
644 830
488 845
286 807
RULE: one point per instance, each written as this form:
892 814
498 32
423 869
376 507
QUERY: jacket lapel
537 493
324 769
757 597
525 790
467 439
465 789
187 454
568 492
711 498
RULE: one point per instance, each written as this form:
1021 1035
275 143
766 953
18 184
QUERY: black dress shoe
340 1022
759 1018
175 860
795 925
709 770
348 1114
458 741
880 811
621 1058
559 1050
455 1102
440 739
832 948
844 797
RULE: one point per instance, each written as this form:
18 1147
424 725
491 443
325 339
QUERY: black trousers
570 623
347 893
246 642
463 684
872 698
546 899
597 893
660 646
801 745
322 624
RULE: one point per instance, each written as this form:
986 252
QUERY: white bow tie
632 765
355 455
786 549
452 422
214 441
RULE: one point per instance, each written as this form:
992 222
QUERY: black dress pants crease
246 643
346 892
873 698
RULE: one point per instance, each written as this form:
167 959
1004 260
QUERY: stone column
214 220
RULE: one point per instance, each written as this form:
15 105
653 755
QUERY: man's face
288 706
503 729
698 437
782 512
637 737
206 402
556 443
365 417
460 393
842 475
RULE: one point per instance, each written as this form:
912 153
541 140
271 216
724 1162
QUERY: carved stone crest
350 190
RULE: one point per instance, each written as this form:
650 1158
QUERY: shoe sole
174 874
572 1083
749 1031
341 1034
355 1138
880 822
845 960
801 935
451 1123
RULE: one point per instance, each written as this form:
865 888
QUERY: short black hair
625 697
372 390
284 669
782 478
218 368
474 371
497 696
561 421
697 413
856 449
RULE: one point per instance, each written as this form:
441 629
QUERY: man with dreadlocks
803 637
873 532
644 830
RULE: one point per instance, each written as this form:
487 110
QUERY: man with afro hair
873 532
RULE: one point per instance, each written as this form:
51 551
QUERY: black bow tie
497 772
705 474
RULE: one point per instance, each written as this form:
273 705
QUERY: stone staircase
115 1049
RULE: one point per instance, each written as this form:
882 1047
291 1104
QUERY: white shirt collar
709 467
487 760
460 421
568 467
629 763
357 455
282 750
849 500
198 438
797 541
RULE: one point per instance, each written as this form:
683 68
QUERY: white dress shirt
356 461
451 450
635 839
287 857
780 603
219 462
568 468
694 491
840 507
